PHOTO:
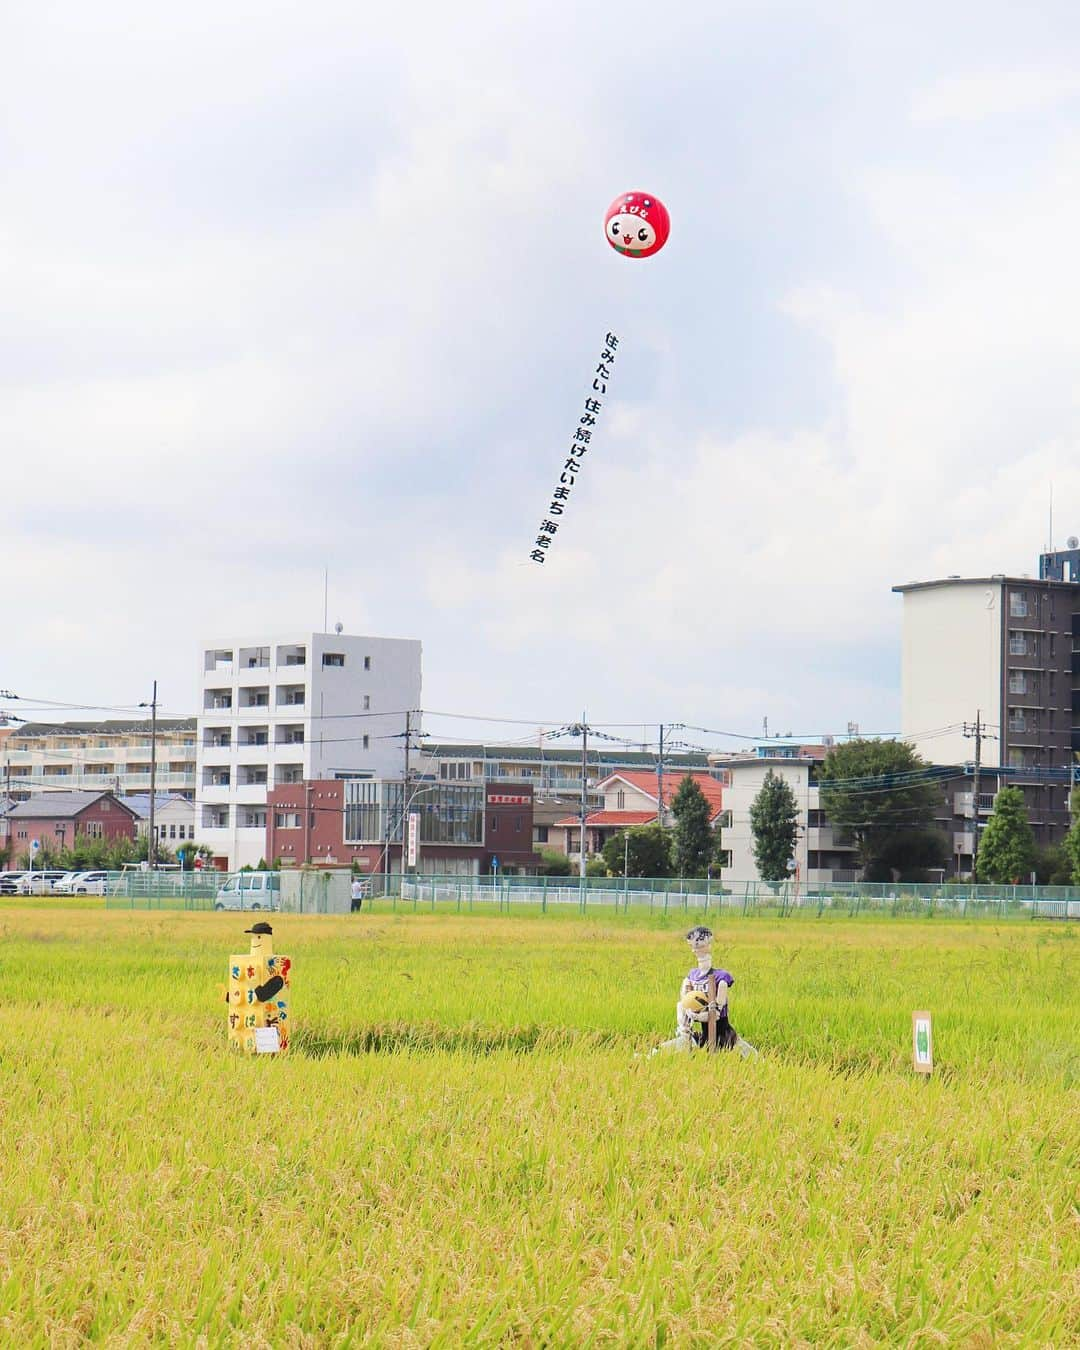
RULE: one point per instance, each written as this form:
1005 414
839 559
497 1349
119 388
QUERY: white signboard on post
922 1043
414 838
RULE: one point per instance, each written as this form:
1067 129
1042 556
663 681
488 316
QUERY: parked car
250 890
9 882
63 886
83 883
38 883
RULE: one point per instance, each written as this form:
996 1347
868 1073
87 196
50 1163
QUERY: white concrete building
289 709
822 854
174 817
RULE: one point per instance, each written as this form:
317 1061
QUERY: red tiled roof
645 781
621 818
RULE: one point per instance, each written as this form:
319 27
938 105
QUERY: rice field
467 1146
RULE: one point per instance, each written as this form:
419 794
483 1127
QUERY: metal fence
662 895
327 892
321 891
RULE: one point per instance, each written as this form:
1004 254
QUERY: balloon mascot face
637 225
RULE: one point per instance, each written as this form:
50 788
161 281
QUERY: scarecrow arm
265 992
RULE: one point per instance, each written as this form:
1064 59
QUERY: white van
250 890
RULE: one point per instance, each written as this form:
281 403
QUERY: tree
885 796
648 852
774 816
1007 847
555 864
692 837
1072 839
1053 867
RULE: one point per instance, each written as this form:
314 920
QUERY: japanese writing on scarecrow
258 996
580 444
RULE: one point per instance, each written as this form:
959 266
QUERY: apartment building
95 756
280 711
823 853
1005 650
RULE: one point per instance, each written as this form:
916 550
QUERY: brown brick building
462 827
57 819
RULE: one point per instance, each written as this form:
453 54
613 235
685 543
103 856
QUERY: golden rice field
463 1148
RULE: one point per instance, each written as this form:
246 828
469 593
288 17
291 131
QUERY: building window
367 742
1017 645
333 659
1018 608
287 820
172 831
367 702
620 800
517 824
367 662
541 832
494 824
1017 682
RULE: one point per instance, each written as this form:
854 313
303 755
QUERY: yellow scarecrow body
258 995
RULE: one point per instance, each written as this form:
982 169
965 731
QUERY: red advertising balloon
637 224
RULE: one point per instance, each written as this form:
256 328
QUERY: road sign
414 837
35 844
495 864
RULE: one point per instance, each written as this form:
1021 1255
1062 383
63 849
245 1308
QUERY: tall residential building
91 756
1005 650
276 711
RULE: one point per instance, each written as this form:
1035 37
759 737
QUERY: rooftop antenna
1050 547
325 593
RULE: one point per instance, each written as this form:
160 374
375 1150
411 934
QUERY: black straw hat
260 928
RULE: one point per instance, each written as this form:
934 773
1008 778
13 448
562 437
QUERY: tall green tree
1072 839
1007 847
885 796
774 820
647 851
692 838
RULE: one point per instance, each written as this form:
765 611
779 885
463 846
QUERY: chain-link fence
330 891
673 895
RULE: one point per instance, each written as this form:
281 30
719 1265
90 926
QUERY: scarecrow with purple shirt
692 1009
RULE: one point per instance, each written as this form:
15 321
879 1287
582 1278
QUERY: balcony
217 700
292 655
963 843
291 696
221 659
254 658
826 839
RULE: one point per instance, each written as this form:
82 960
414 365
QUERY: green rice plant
467 1146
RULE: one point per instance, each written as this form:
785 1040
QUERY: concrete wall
950 665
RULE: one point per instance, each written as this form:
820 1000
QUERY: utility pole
660 780
977 732
151 842
583 813
405 790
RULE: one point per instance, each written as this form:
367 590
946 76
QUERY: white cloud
980 95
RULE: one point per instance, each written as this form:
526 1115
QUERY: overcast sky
286 287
